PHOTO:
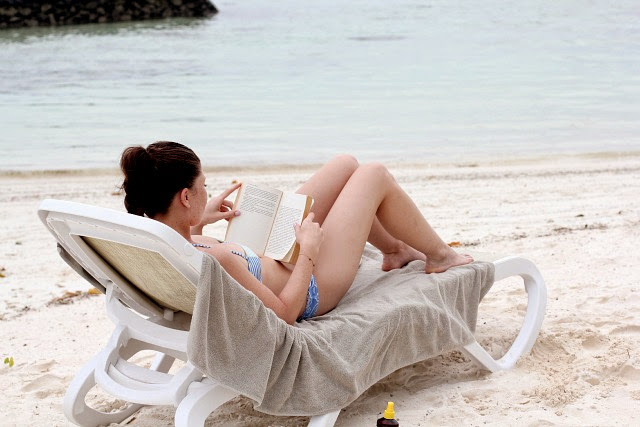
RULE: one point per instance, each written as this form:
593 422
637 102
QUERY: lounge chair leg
326 420
201 400
76 409
162 362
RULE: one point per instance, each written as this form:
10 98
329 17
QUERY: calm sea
271 82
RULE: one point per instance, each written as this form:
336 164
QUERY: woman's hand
219 208
309 235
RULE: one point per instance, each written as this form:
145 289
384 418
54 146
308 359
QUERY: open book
266 221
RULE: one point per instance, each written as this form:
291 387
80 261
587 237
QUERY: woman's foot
401 257
447 259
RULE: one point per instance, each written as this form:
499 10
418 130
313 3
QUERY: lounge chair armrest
536 306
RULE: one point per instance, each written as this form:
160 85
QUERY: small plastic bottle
388 417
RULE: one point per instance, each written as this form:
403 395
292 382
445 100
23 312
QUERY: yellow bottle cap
389 413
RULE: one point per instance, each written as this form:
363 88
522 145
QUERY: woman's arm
309 236
292 299
289 303
294 293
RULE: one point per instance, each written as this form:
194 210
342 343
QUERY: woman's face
198 198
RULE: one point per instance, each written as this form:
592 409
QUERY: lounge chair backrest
153 267
149 271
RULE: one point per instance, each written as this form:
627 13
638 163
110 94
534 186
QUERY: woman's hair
153 175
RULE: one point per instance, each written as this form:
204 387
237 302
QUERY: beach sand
576 217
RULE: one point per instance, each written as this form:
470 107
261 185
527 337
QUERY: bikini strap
240 255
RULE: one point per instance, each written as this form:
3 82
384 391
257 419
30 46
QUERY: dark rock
20 13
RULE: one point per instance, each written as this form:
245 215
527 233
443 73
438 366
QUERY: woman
353 204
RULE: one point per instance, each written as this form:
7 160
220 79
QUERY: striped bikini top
253 261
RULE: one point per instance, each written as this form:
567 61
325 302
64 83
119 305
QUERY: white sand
577 218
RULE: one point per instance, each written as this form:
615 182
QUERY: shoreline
577 217
471 162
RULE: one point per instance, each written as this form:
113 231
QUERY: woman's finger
230 190
309 217
227 203
229 214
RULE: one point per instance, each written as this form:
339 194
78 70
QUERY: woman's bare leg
372 192
325 186
396 253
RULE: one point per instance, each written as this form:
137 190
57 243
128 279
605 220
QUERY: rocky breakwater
32 13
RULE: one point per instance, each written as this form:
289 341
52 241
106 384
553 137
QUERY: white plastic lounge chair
125 256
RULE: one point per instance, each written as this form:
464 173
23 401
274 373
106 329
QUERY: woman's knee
376 169
377 176
347 162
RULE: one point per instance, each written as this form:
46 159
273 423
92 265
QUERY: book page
257 206
283 235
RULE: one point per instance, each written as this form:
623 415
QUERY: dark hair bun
138 168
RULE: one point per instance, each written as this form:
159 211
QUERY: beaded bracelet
312 263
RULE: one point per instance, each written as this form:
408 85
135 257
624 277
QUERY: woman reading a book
353 204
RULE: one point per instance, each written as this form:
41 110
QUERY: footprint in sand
519 291
627 330
40 367
630 373
600 323
569 319
478 395
592 380
45 385
549 347
593 301
594 343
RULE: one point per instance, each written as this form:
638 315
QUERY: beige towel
385 322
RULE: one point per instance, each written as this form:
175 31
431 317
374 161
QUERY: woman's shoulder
220 250
205 240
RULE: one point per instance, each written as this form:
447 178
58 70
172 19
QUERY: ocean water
297 81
